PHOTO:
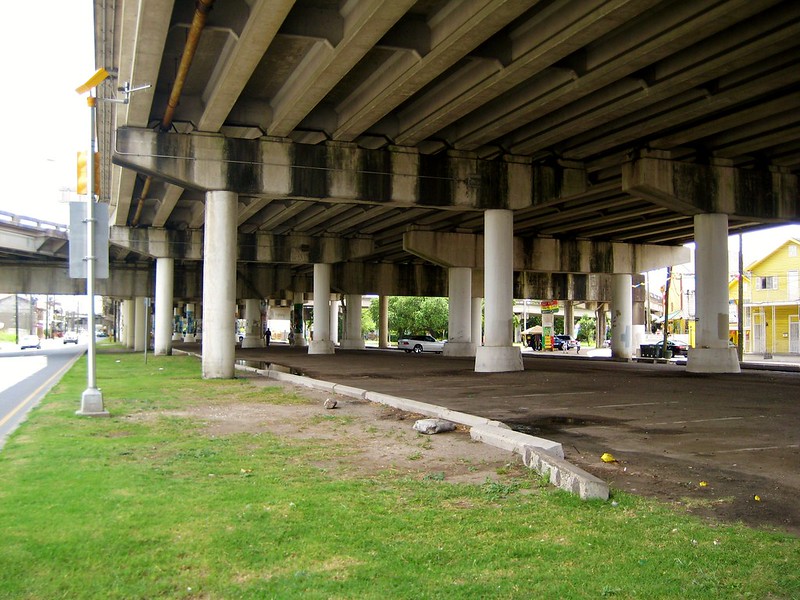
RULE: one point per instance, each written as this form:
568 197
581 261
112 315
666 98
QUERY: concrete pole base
459 349
92 404
253 342
177 337
189 338
498 359
320 347
352 344
713 360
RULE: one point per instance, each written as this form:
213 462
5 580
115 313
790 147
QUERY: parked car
678 348
30 341
420 343
566 342
71 337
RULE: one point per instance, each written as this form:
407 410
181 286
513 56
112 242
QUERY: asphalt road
726 445
26 376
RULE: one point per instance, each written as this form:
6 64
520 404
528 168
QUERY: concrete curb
544 456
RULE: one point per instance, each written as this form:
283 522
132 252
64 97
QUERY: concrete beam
766 195
546 255
258 247
277 168
125 281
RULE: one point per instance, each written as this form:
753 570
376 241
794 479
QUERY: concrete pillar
621 316
219 285
139 324
353 339
165 273
383 317
459 323
198 322
127 323
712 353
298 335
569 318
191 323
254 331
335 305
177 321
321 342
638 336
477 322
498 355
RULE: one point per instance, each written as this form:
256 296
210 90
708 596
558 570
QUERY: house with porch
771 294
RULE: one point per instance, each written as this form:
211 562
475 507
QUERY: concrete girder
653 118
364 24
263 22
124 281
145 26
657 36
676 77
536 44
453 28
32 243
172 193
257 247
546 255
769 196
277 168
276 281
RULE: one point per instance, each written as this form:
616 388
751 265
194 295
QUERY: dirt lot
377 438
726 447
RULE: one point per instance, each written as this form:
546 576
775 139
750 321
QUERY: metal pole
740 316
92 398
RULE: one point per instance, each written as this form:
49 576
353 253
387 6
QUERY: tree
587 328
415 314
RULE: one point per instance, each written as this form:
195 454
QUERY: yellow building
771 291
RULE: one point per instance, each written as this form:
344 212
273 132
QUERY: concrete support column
177 318
459 324
165 272
621 316
219 285
638 336
321 342
569 318
298 335
139 324
253 332
191 323
477 322
353 340
126 310
498 354
383 317
712 353
335 305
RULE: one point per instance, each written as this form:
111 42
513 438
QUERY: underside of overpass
374 135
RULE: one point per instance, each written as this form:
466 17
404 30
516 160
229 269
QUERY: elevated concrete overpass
311 145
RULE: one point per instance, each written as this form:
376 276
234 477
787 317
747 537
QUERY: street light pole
92 398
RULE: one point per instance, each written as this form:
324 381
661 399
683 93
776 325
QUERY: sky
47 122
48 50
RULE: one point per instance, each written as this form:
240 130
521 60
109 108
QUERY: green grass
147 504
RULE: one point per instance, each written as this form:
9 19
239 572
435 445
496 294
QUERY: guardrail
32 223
